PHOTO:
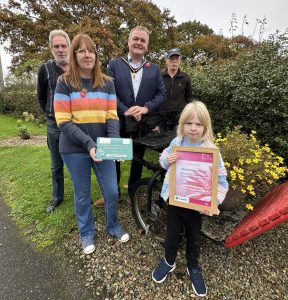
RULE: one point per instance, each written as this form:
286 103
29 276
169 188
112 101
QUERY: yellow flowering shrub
252 168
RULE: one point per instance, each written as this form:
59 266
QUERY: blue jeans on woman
79 166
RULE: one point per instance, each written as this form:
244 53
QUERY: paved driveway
27 274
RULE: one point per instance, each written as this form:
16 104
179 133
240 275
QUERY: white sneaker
120 234
88 245
89 249
124 238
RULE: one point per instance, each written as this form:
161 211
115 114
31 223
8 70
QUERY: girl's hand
208 213
93 155
172 158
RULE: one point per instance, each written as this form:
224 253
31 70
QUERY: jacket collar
178 74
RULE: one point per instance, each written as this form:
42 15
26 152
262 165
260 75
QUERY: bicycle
230 229
148 208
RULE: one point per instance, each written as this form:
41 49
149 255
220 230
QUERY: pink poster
194 178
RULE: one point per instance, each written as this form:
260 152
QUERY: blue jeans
79 166
57 164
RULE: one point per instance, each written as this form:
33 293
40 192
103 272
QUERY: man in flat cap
179 91
177 83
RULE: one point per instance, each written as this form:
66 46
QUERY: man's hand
138 110
156 130
138 118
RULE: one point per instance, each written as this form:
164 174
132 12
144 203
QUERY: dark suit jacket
152 91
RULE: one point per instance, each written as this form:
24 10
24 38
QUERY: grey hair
141 28
54 33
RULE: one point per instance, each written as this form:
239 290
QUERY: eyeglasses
83 52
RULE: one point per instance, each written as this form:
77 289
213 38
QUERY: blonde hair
199 109
98 78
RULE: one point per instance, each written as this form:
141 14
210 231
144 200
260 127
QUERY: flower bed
252 169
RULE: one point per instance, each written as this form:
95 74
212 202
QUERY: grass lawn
8 127
25 185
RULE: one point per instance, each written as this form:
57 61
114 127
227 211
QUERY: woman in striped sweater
85 107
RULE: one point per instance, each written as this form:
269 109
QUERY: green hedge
18 101
251 91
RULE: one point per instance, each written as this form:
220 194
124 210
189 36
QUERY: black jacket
47 79
179 91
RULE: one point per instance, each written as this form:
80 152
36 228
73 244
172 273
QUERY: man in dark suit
139 88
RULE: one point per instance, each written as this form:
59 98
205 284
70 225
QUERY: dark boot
53 204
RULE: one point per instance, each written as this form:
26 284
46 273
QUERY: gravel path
255 270
36 140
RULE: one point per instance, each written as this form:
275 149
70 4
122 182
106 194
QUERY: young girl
194 130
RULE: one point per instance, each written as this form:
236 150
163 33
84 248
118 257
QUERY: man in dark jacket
140 90
177 83
47 78
179 90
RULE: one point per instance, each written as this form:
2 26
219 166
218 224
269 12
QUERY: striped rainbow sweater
82 117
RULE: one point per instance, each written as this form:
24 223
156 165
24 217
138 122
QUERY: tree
1 76
211 46
26 25
214 48
189 30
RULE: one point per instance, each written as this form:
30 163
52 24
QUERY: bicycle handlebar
151 120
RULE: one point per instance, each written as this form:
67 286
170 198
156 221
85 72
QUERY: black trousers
136 168
192 222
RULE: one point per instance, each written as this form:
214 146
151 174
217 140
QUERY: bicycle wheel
154 221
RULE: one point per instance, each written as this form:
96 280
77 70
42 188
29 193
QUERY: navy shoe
53 205
197 281
162 270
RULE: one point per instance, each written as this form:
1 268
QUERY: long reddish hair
72 75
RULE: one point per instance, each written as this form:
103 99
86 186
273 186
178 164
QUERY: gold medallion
133 74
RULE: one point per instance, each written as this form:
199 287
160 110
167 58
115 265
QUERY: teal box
114 148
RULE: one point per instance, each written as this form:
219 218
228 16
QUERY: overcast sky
217 15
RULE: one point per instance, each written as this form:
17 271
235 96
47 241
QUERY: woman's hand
93 155
172 158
